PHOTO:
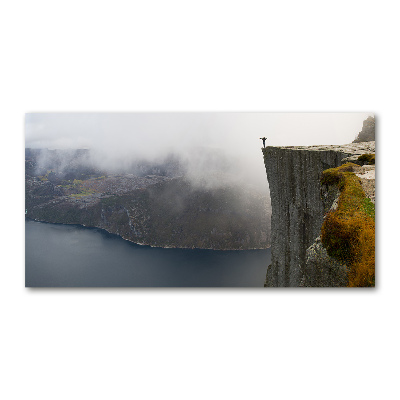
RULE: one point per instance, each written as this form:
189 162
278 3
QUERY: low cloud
210 146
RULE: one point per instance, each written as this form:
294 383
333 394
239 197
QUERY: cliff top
366 173
352 151
351 148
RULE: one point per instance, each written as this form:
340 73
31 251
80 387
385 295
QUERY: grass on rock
348 233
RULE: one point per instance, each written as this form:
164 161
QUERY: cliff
155 211
160 203
367 132
299 203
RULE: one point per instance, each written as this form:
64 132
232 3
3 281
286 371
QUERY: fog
209 143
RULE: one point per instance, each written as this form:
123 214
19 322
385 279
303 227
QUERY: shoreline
140 244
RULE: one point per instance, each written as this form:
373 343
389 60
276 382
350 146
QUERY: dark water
73 256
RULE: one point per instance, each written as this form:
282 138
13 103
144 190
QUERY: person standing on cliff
263 139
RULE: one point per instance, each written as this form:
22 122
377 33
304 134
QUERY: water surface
73 256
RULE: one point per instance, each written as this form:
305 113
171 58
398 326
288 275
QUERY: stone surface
298 206
321 270
367 175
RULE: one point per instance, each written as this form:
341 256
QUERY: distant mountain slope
158 209
367 133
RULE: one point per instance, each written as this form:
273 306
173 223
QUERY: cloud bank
207 141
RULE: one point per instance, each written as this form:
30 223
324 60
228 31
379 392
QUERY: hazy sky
157 131
115 136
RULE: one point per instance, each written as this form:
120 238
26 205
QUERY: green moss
336 176
369 207
370 158
348 233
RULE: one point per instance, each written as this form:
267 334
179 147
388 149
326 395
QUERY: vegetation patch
46 176
77 188
82 193
369 207
348 233
369 158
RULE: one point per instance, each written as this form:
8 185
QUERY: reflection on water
73 256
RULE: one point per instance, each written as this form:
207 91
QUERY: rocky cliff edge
299 203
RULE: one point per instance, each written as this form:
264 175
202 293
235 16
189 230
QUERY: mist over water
206 144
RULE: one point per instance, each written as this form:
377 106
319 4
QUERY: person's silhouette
263 139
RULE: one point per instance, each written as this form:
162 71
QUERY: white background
198 56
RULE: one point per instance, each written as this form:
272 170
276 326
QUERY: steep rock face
298 207
367 132
169 213
321 270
